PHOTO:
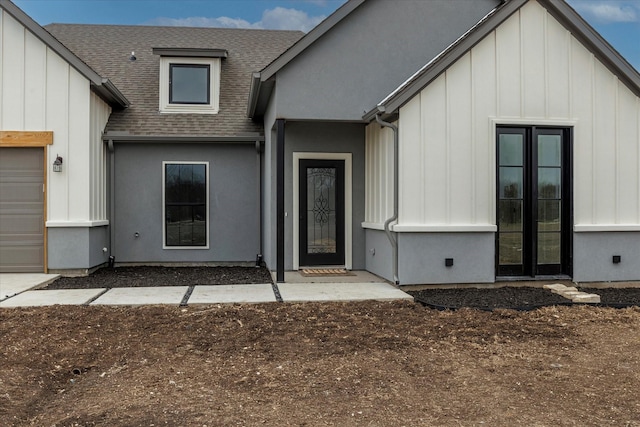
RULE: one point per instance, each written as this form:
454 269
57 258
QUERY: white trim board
348 203
594 228
77 224
453 228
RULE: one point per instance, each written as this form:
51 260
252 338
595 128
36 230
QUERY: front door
321 212
534 201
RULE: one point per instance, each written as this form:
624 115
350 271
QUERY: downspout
393 238
259 257
112 201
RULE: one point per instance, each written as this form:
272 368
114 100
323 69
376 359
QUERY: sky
618 21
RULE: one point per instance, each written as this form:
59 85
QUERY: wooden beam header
11 138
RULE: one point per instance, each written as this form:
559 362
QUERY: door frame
348 203
568 128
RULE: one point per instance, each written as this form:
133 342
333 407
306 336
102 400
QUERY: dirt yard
314 364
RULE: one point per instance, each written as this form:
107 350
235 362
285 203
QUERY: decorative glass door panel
533 212
321 212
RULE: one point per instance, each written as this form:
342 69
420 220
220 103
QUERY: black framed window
189 84
185 204
534 201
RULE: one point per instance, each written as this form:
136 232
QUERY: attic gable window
189 84
190 80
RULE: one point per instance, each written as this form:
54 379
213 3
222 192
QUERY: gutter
110 93
172 139
393 238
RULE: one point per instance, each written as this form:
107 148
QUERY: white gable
40 91
530 70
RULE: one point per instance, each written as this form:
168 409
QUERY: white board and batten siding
529 71
40 91
379 176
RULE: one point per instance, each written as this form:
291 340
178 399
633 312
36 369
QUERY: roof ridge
139 26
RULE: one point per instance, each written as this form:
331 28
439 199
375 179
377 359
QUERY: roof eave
254 93
190 52
444 60
587 35
172 139
262 91
109 92
559 9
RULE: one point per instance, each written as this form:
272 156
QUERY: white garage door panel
21 210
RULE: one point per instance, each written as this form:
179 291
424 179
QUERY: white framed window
189 85
185 205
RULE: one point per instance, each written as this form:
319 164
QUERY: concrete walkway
21 291
14 283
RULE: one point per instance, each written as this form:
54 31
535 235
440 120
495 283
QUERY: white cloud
289 19
274 19
607 11
321 3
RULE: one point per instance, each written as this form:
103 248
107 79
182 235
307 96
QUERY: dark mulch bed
489 299
121 277
521 298
616 296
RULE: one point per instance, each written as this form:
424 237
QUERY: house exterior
519 152
51 105
424 141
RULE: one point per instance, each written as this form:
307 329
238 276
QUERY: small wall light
617 259
57 164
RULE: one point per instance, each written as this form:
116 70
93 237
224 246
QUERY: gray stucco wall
378 254
422 258
369 54
233 198
77 248
330 138
593 254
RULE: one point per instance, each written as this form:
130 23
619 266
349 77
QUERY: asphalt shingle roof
106 48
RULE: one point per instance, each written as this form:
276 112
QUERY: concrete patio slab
143 295
205 294
52 297
14 283
300 292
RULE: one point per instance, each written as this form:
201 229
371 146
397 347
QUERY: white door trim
348 197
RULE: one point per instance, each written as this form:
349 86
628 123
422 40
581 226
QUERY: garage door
21 210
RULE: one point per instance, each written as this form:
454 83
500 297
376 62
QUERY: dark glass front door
321 212
534 201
